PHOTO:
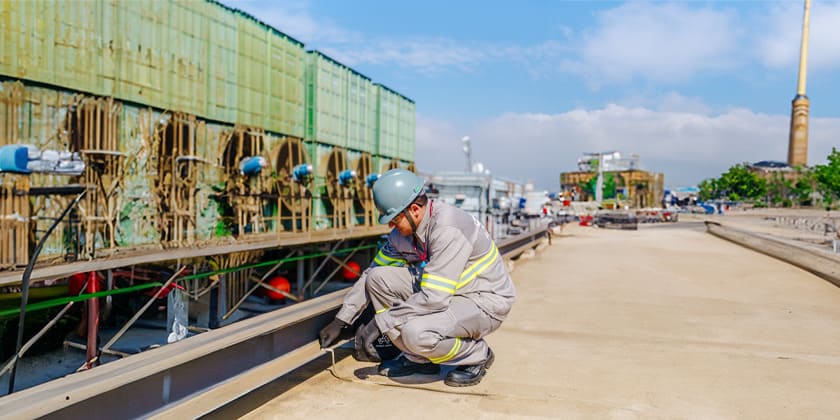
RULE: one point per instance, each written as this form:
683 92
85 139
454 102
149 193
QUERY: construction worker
438 286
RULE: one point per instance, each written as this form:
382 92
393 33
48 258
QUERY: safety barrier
821 263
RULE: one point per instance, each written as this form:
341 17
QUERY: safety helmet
394 191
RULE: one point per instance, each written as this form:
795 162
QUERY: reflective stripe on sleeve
384 260
450 355
381 310
438 283
482 264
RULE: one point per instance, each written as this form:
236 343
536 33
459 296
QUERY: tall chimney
798 142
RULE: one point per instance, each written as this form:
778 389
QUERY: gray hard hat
394 191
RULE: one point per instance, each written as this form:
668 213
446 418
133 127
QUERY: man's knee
418 339
377 279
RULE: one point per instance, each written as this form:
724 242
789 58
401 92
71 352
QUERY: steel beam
144 383
199 374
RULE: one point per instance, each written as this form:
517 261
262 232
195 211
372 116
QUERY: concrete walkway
663 322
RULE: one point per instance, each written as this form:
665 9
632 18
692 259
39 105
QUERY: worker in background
438 287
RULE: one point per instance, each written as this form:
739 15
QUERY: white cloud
653 41
425 55
660 41
779 35
687 146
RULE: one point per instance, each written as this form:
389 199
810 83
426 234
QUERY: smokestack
798 140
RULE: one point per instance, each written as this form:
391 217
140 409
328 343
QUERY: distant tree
779 189
608 188
609 185
740 184
827 178
588 187
803 188
708 189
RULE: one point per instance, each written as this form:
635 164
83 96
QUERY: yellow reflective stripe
471 273
440 279
383 259
451 354
439 283
447 289
381 310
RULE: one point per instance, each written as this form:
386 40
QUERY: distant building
769 169
638 188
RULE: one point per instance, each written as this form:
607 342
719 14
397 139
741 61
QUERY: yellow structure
639 188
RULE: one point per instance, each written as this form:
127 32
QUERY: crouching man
438 286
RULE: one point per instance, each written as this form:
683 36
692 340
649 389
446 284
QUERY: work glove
366 336
330 333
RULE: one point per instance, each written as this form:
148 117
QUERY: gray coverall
463 294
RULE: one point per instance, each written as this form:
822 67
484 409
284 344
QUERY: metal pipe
341 264
317 270
272 262
36 337
257 286
84 347
92 306
61 301
24 295
141 311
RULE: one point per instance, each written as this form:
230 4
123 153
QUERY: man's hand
330 333
365 338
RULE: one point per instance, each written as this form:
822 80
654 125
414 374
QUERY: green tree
608 188
708 189
827 178
779 189
588 187
609 185
803 188
738 183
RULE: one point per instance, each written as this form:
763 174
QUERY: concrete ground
664 322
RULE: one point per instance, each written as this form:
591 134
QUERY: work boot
401 366
470 375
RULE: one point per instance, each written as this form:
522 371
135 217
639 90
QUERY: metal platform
170 376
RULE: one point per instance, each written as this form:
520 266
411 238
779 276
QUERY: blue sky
693 87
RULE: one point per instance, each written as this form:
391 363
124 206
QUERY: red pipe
93 318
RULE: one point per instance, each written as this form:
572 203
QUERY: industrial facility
187 143
631 186
175 167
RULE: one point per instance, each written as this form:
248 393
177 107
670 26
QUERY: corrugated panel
371 117
142 57
221 64
387 129
107 47
184 58
405 130
8 38
252 72
33 37
295 86
76 54
286 92
361 106
326 100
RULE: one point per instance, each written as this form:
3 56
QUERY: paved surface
663 322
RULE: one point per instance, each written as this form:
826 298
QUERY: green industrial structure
164 102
